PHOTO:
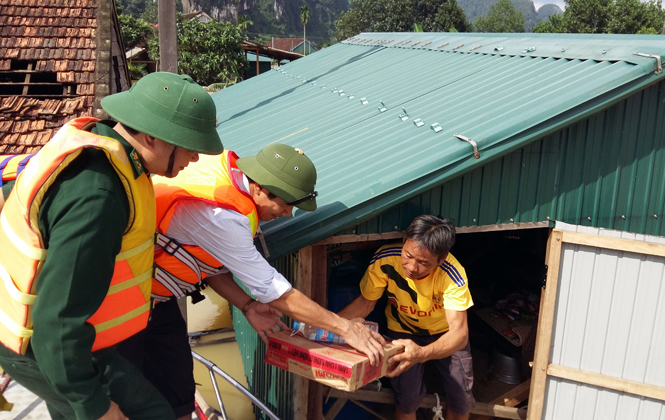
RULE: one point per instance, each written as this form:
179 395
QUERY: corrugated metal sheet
605 171
609 319
369 161
268 383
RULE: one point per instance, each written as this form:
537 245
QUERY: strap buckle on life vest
170 247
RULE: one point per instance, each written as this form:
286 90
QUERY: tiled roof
48 57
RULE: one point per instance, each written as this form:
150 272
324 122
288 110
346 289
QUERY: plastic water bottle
319 334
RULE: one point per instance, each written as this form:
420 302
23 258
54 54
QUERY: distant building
56 64
201 16
297 45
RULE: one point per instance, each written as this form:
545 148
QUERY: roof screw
563 50
396 228
474 220
404 115
512 220
548 218
623 216
364 101
604 51
382 108
353 231
655 216
588 218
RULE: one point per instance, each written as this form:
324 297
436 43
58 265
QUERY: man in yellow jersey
428 296
77 248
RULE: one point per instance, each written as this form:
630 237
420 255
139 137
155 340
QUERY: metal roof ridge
599 47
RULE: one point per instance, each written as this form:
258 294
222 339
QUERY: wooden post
312 282
257 61
168 43
541 356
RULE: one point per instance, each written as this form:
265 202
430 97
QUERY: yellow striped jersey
416 306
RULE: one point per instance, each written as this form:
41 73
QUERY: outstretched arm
359 308
260 316
300 307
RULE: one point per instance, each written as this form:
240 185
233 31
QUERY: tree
400 16
607 16
209 52
304 18
502 17
134 31
150 13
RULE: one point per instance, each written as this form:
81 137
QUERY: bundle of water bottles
319 334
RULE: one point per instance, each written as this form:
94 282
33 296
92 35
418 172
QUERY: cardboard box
336 365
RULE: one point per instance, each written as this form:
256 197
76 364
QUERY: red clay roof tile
52 36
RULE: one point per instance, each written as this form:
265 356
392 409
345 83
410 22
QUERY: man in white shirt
207 218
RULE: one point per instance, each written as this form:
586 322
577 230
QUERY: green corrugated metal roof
503 91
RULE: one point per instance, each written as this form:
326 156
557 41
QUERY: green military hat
170 107
284 171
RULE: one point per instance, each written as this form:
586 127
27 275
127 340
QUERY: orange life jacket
125 309
180 269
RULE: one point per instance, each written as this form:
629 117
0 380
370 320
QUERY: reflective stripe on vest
125 310
12 166
212 179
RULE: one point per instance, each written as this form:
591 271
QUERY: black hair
433 233
271 196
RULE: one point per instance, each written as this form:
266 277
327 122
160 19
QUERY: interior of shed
506 270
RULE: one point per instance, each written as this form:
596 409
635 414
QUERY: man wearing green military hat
77 242
207 218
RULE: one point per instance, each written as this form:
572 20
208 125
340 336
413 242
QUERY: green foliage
607 16
634 16
400 16
502 17
209 52
136 71
476 8
150 12
216 87
134 31
136 8
279 19
304 15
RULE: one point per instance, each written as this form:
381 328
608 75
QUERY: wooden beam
617 244
545 324
386 396
341 239
27 79
334 410
502 227
311 281
609 382
511 398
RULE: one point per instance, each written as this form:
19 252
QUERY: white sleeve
227 236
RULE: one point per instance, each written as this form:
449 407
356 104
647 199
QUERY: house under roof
548 152
58 58
389 116
291 44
